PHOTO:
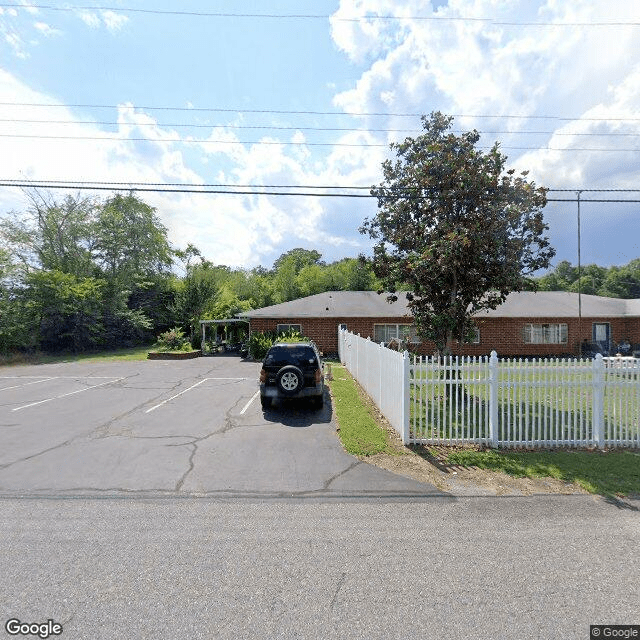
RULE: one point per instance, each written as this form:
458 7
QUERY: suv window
281 354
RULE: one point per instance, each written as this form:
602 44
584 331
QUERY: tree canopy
455 229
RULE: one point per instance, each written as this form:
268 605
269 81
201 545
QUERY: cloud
229 229
111 20
89 18
114 21
46 30
577 84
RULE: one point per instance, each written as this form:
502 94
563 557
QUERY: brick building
544 323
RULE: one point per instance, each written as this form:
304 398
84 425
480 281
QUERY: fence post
598 402
493 399
406 390
380 375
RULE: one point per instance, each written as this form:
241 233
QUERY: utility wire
292 143
309 16
255 190
291 128
318 113
259 186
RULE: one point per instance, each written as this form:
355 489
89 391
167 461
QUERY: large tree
454 229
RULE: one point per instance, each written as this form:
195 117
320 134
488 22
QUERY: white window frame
546 333
397 333
285 328
476 336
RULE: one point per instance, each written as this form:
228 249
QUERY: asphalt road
519 568
155 500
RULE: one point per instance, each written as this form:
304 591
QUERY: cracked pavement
183 428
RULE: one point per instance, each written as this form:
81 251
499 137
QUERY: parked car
292 370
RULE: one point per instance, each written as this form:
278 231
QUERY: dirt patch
418 463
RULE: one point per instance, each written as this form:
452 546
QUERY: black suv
292 370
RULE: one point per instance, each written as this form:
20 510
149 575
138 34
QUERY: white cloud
46 30
89 18
114 21
234 230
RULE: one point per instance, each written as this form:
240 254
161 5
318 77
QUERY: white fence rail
383 373
500 403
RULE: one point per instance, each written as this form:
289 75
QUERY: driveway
190 427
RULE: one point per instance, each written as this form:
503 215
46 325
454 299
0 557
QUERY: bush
260 343
173 340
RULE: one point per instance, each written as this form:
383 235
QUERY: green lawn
606 473
136 353
551 403
358 429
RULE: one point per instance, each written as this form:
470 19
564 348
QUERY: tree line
610 282
83 273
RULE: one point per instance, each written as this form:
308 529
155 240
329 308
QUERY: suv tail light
263 375
318 376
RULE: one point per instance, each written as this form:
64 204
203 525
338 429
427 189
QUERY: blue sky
202 99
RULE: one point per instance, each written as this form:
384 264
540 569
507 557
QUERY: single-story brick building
527 324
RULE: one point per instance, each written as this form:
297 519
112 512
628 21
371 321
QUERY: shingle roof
370 304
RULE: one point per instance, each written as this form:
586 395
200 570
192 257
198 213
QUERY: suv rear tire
265 401
290 380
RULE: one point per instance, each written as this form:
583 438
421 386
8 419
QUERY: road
165 504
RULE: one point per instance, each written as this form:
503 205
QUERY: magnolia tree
454 229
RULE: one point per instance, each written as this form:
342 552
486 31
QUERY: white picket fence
500 403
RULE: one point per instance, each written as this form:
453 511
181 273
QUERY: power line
309 16
265 186
240 110
255 190
292 143
294 128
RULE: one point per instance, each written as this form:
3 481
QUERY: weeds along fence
502 403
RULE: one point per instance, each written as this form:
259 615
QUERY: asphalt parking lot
191 427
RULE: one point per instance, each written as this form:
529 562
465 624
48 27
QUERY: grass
557 394
606 473
136 353
610 473
358 428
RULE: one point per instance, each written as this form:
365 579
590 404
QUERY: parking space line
26 384
246 406
177 395
64 395
22 377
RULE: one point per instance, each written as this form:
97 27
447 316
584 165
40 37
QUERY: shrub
260 343
173 340
291 336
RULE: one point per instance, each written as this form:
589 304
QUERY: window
285 328
545 333
475 338
388 332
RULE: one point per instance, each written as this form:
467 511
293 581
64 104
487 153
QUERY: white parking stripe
20 377
177 395
246 406
26 384
64 395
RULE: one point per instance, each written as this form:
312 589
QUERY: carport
232 336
